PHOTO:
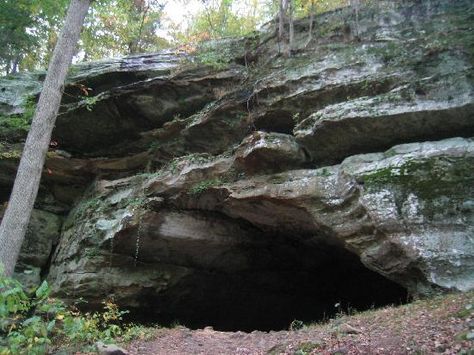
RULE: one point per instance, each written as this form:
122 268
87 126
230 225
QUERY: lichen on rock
345 168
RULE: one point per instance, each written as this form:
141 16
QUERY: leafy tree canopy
29 28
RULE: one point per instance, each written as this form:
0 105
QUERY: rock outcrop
259 181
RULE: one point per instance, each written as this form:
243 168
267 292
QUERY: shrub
33 323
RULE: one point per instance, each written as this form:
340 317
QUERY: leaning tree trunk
311 23
282 16
291 35
281 20
355 4
25 189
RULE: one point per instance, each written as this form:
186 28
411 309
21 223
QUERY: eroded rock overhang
152 241
197 175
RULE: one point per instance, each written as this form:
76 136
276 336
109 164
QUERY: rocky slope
216 187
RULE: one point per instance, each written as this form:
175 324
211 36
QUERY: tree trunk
282 19
25 189
311 23
8 67
16 63
355 4
291 36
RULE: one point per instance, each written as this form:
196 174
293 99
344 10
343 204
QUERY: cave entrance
287 281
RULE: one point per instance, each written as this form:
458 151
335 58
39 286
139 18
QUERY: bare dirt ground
444 325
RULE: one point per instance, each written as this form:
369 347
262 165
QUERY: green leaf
51 325
43 291
31 320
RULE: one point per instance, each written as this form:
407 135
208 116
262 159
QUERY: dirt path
439 326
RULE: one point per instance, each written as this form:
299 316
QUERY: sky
177 12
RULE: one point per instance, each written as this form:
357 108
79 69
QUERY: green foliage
13 154
18 125
202 186
323 172
90 102
88 207
12 301
118 27
22 327
15 18
306 348
29 30
31 323
135 202
222 18
303 7
215 59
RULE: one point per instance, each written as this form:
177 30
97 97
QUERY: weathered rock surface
194 190
41 237
407 213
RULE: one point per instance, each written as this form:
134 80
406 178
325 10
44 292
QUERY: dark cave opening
4 193
286 283
276 121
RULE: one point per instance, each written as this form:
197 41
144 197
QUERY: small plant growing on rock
202 186
306 348
296 325
19 122
90 102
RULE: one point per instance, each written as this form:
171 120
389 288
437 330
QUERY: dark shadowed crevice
4 193
292 282
276 121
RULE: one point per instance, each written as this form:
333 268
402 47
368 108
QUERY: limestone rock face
407 213
236 181
262 152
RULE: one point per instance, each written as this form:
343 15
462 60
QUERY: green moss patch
428 178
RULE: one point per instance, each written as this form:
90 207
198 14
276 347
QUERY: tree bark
25 189
311 23
16 63
355 4
282 19
291 36
7 67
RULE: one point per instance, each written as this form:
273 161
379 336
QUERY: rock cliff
219 186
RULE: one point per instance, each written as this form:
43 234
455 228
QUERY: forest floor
442 325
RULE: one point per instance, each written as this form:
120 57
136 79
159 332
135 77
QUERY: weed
31 323
325 172
91 253
90 102
18 123
215 55
202 186
306 348
14 154
87 207
296 325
